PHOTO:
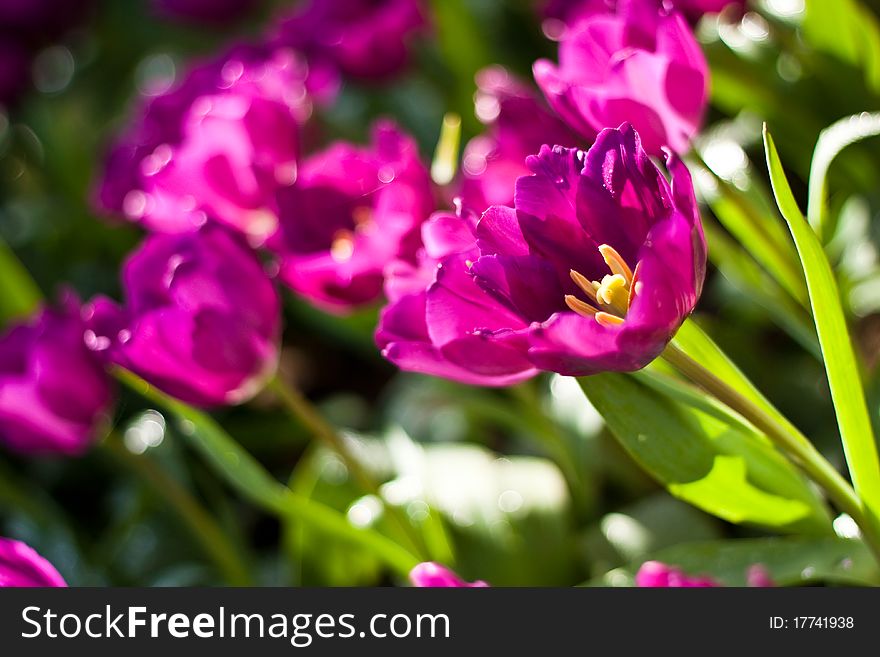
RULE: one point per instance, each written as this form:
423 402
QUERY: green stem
788 439
303 411
200 523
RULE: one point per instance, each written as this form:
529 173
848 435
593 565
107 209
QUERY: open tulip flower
641 64
595 269
352 210
201 320
21 566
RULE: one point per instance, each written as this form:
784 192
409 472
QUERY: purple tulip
519 124
352 210
203 11
596 268
201 320
433 575
654 574
54 392
639 64
361 38
438 321
219 145
21 566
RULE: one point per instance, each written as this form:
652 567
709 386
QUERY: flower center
609 297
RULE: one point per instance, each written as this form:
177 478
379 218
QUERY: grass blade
839 357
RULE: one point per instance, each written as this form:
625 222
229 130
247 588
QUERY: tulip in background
367 39
654 574
218 146
429 574
518 124
54 393
21 566
352 210
640 64
201 319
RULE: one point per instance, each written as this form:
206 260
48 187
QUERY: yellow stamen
616 263
582 308
342 247
588 287
607 319
614 293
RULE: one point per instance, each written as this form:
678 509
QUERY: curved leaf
832 140
705 456
837 350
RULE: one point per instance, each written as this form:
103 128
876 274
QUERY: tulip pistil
610 297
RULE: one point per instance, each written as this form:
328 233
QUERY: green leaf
831 142
699 346
848 30
703 455
254 483
790 561
837 350
20 296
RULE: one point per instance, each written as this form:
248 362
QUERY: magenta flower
21 566
201 320
438 321
595 268
361 38
219 146
352 210
54 392
518 125
639 64
433 575
654 574
203 11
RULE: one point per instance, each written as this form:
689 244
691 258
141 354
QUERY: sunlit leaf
700 454
839 356
831 142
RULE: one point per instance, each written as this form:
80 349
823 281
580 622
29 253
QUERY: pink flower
654 574
594 270
217 146
201 321
362 38
21 566
54 392
437 319
353 210
433 575
639 64
519 123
